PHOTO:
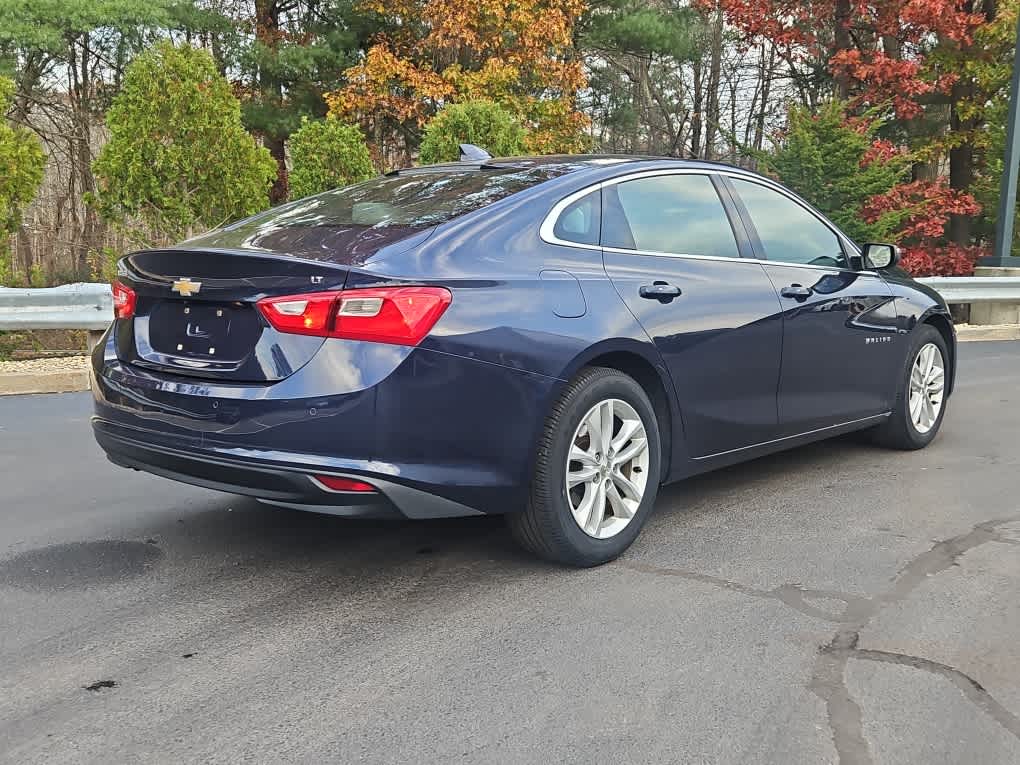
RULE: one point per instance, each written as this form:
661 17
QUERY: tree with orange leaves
518 54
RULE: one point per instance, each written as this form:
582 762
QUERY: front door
840 345
671 252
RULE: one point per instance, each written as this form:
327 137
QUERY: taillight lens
124 299
397 315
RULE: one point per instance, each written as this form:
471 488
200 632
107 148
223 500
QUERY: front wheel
596 472
921 398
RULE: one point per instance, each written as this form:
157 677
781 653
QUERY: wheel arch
944 325
645 367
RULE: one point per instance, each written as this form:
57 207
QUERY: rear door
674 255
840 347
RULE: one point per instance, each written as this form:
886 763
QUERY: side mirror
880 256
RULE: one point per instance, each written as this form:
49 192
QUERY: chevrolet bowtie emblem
185 287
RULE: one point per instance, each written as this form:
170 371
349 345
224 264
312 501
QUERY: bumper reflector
337 483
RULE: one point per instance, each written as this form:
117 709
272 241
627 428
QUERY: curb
976 332
16 383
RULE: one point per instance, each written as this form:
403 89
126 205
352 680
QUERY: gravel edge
71 373
60 375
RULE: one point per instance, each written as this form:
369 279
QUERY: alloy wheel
927 387
607 468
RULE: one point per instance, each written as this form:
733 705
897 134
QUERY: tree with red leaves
906 57
922 210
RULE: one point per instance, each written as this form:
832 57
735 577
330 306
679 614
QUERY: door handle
661 291
796 291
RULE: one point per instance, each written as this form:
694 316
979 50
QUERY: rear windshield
415 200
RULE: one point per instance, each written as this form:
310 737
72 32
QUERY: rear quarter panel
516 299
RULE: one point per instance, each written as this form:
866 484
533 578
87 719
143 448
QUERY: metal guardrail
71 306
976 289
90 306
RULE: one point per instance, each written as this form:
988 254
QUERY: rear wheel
921 398
596 472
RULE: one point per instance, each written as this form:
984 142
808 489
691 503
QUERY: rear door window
673 214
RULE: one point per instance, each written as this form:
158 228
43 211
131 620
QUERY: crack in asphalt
792 595
828 678
971 688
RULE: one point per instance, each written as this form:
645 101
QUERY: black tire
899 432
546 526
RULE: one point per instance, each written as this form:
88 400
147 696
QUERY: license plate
202 330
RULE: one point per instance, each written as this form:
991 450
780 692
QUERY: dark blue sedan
550 338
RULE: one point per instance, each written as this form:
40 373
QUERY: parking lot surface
837 603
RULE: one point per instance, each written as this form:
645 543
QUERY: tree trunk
714 71
696 111
267 31
766 90
842 43
643 101
961 156
961 163
733 119
81 74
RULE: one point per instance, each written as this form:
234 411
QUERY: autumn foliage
518 54
886 42
923 209
908 59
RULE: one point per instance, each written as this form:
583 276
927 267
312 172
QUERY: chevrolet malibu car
548 338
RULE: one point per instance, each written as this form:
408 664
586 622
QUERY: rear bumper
271 481
438 434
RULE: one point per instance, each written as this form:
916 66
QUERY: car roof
559 165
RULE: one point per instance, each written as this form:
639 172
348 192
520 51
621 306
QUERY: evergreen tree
178 157
326 154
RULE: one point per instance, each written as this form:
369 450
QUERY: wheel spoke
916 377
577 454
915 406
606 425
597 511
583 475
929 360
637 446
621 509
627 431
627 489
594 423
583 510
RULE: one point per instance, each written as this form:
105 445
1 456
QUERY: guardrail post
94 336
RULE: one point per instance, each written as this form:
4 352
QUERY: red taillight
123 301
336 483
300 314
398 315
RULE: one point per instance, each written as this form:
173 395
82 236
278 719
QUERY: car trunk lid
196 315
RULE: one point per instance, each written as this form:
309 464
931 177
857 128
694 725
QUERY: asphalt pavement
837 603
